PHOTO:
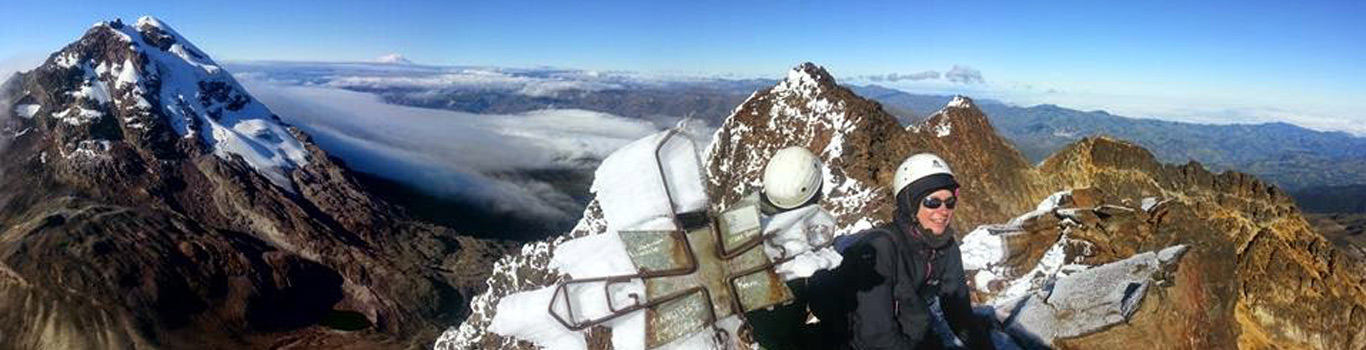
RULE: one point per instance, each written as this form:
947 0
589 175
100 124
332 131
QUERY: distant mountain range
1296 159
1290 156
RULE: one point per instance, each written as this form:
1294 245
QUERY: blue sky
1212 61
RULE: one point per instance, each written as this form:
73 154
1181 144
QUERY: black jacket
894 313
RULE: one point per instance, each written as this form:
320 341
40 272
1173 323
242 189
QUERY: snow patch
982 249
943 129
91 87
67 60
524 316
127 74
959 101
635 197
195 92
532 323
1050 203
80 116
27 111
1049 268
798 83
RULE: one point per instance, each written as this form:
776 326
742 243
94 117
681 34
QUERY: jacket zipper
929 265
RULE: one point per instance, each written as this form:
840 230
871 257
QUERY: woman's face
937 219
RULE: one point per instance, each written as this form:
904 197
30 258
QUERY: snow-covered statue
796 227
669 273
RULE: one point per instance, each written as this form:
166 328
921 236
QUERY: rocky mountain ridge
1255 274
148 201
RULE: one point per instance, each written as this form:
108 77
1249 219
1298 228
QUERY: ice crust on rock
27 111
1090 300
984 250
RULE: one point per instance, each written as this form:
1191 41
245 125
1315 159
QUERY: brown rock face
858 142
988 167
1260 276
117 232
862 145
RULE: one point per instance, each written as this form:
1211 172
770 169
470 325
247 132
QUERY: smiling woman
929 306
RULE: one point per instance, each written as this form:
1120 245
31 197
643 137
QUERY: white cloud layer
447 152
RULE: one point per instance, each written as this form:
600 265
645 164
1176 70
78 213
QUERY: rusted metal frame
664 178
637 306
784 258
753 242
607 290
560 289
691 267
680 235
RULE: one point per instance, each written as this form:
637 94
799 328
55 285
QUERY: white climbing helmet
917 167
792 177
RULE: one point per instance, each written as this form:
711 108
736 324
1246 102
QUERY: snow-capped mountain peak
147 77
960 101
804 80
393 58
152 154
941 124
806 109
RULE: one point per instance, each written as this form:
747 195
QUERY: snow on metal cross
708 267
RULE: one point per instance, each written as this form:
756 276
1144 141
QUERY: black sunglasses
933 203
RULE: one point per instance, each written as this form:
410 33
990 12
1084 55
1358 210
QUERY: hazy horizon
1211 62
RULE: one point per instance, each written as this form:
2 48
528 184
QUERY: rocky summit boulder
1260 276
148 201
